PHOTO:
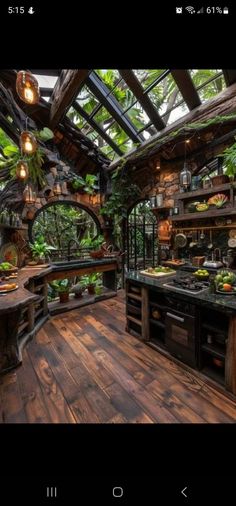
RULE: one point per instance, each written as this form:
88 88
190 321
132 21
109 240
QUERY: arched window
142 244
60 222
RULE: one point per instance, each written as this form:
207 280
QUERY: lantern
29 195
153 201
185 178
28 143
27 87
57 187
22 170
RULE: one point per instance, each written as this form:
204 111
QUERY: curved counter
25 310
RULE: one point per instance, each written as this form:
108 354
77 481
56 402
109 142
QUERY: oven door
180 336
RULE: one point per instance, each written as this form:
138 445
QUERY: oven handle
175 317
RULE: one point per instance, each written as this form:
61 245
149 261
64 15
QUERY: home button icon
117 492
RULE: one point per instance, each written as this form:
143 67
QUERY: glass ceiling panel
210 90
147 76
103 117
165 95
138 116
175 114
75 117
109 76
200 76
87 100
46 81
116 133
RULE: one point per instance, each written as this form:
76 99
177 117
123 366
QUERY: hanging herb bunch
34 162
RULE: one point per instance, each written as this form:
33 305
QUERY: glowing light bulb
28 143
28 146
29 95
22 170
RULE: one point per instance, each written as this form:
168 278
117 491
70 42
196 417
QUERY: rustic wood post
145 314
230 360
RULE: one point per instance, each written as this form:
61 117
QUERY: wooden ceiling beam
65 91
186 87
230 76
138 91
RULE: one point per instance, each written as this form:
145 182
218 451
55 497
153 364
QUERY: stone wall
165 182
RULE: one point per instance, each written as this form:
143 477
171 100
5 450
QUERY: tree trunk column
230 361
10 355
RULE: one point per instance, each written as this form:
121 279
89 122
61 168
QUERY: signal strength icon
201 11
190 9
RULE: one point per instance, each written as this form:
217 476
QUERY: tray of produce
8 287
159 271
225 282
7 268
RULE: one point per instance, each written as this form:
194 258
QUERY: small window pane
147 76
87 100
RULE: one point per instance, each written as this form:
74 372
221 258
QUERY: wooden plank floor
83 367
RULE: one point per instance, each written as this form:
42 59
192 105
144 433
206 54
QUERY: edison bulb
29 95
28 146
22 171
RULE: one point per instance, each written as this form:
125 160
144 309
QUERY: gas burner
187 284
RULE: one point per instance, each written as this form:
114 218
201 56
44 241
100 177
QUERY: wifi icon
190 9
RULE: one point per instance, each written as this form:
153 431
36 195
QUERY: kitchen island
198 329
25 310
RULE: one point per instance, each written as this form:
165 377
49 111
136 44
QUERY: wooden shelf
217 330
155 304
134 320
202 192
160 208
57 307
157 323
214 350
37 288
230 211
37 313
11 227
201 227
133 296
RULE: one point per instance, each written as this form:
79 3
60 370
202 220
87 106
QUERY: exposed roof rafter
138 91
65 90
96 127
230 76
186 87
100 90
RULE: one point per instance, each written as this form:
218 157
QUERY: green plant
61 285
229 160
40 248
90 279
94 243
89 184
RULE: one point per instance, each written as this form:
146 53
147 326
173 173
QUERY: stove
187 284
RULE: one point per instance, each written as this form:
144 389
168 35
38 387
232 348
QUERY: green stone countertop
223 303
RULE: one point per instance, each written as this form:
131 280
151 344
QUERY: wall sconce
29 195
57 187
22 170
28 143
27 87
153 201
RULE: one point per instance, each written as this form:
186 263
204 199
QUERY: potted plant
40 250
78 290
62 287
95 245
90 282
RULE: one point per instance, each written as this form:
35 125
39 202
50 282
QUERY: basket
97 254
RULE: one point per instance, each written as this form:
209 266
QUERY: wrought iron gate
142 242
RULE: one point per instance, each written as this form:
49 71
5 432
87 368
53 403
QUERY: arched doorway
142 243
61 222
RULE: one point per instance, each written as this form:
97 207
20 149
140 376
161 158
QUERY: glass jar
185 178
207 183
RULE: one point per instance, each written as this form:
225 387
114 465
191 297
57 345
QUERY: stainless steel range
187 284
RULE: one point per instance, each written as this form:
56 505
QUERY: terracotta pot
97 253
91 289
64 296
78 295
221 179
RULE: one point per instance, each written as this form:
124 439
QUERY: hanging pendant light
28 143
27 87
29 195
22 170
57 187
185 176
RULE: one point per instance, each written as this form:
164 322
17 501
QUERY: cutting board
158 274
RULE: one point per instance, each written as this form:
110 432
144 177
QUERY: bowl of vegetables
201 274
6 268
225 282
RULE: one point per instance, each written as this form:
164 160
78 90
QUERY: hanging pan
180 240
